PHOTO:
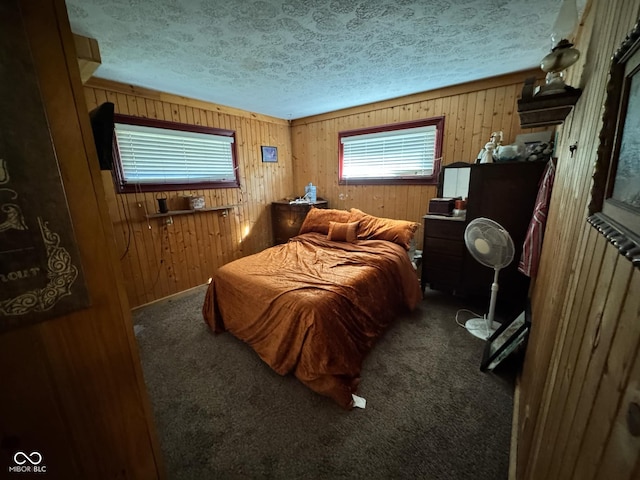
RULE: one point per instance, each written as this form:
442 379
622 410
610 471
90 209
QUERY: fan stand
479 327
483 328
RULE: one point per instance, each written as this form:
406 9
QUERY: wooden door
71 386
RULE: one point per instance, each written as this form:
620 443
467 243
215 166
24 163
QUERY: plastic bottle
310 192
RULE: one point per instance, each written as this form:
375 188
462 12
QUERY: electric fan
491 245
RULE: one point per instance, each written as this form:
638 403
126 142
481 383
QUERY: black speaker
103 127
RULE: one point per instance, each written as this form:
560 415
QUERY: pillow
343 232
317 219
378 228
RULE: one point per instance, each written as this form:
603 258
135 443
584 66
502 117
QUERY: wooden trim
88 55
85 366
174 296
583 34
460 89
432 179
178 99
124 186
86 132
165 125
626 242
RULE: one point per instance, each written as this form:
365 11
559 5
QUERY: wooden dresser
504 192
287 218
443 251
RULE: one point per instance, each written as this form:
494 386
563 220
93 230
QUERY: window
153 155
392 154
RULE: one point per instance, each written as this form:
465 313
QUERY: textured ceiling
295 58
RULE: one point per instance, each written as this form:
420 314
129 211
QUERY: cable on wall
128 222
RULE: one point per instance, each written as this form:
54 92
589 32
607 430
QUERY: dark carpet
223 413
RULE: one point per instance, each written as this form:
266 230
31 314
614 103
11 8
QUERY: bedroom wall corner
158 259
472 111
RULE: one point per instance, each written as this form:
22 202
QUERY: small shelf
537 110
172 213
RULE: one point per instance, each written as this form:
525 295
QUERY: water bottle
310 192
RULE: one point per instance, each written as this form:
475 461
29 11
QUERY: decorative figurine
486 154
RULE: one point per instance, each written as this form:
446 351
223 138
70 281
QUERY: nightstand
287 218
443 252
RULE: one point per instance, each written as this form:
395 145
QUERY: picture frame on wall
269 154
615 197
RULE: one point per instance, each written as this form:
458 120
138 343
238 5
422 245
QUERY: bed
315 306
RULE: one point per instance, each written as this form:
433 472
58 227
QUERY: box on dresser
443 206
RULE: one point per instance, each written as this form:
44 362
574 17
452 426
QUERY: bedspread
314 307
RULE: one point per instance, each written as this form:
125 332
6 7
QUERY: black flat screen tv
103 128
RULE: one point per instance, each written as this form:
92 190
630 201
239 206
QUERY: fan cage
484 233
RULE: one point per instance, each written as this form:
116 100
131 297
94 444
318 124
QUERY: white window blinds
151 155
402 153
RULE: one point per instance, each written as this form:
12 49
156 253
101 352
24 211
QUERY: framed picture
506 340
269 154
615 197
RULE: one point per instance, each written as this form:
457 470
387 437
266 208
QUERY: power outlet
168 221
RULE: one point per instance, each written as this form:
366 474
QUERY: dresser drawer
440 261
453 229
442 278
293 210
443 253
441 246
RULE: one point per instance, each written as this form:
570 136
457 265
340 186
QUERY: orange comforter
314 307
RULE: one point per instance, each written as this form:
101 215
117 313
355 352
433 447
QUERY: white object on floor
481 327
358 402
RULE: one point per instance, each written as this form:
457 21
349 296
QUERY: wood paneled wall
472 111
71 388
159 259
582 367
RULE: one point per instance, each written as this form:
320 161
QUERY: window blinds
151 155
402 153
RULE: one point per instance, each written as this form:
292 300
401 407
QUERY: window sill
390 181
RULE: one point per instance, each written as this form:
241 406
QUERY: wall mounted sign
40 272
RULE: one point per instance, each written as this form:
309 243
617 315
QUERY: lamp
562 55
550 103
